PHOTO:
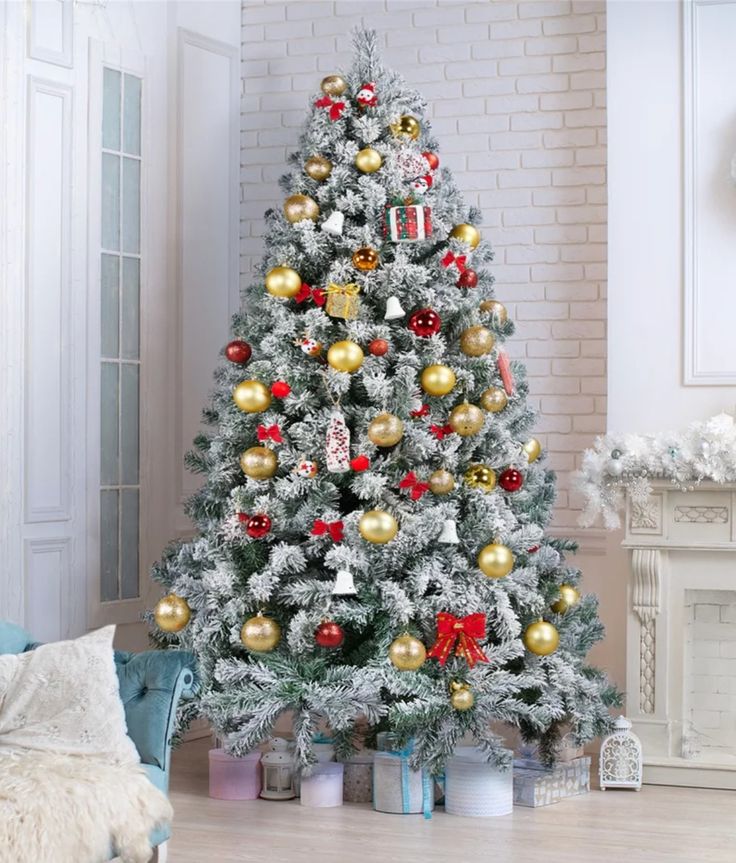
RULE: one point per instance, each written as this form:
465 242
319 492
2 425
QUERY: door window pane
111 80
130 309
110 305
131 205
109 545
110 201
109 424
129 521
132 115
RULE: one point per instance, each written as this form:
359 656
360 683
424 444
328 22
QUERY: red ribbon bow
423 411
336 108
459 261
334 528
459 633
441 432
410 481
305 292
270 433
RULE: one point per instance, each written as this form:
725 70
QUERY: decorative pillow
64 698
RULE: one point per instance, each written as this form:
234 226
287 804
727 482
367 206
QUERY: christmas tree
371 549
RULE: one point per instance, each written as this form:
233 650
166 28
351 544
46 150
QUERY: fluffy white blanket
68 809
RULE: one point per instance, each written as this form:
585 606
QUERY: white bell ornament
333 224
448 534
393 309
344 585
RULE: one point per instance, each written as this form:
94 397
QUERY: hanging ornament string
416 488
460 633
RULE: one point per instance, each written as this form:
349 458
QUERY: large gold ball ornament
333 85
365 259
476 341
260 634
406 127
493 400
466 419
385 430
441 482
541 638
345 356
368 160
569 597
495 560
283 282
300 207
407 653
172 613
318 168
467 234
461 696
378 526
252 397
259 462
480 476
533 449
493 307
438 380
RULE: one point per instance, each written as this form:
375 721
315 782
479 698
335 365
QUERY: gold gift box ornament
342 300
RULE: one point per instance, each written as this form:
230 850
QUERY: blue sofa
151 685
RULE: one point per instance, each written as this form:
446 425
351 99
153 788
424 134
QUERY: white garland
626 462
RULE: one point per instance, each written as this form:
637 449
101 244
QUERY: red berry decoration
360 463
378 347
425 323
329 634
280 389
433 160
511 479
258 526
238 351
467 279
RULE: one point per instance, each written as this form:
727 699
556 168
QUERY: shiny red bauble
360 463
511 479
329 634
467 279
258 526
433 160
378 347
238 351
425 323
280 389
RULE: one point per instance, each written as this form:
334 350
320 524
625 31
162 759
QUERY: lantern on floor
278 771
621 761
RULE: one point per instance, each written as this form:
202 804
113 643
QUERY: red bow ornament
440 432
411 482
459 261
423 411
334 528
336 108
306 292
270 433
460 633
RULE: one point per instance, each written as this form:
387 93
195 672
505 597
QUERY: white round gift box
323 786
475 788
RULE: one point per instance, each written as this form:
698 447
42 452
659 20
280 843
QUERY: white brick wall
517 100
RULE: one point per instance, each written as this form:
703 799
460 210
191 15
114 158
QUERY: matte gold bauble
495 560
541 638
466 419
368 160
441 482
260 634
318 168
172 613
333 85
493 307
345 356
385 430
494 399
467 234
476 341
252 397
461 696
365 258
407 653
378 526
283 282
569 597
299 207
533 449
438 380
406 127
259 462
480 476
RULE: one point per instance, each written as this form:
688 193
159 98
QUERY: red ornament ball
511 479
467 279
433 160
238 351
360 463
280 389
329 634
425 323
243 517
258 526
378 347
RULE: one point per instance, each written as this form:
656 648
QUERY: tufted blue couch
151 685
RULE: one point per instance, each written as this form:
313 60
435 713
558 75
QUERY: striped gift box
408 223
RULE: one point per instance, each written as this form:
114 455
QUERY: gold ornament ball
318 168
365 259
569 597
467 234
299 207
385 430
466 419
345 356
259 462
496 560
378 526
476 341
480 476
438 380
283 282
441 482
406 127
260 634
368 160
493 307
533 449
172 613
333 85
407 653
541 638
252 397
493 400
461 697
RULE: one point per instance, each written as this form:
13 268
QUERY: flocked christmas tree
371 548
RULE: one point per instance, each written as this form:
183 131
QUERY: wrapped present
396 787
342 301
407 222
358 779
536 785
475 788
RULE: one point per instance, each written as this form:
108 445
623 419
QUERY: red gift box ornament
460 634
407 222
416 488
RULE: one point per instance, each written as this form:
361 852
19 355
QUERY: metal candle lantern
278 771
621 762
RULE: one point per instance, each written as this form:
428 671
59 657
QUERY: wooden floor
676 825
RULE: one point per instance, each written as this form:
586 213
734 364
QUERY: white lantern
278 771
621 763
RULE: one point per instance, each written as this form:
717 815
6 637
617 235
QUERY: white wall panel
47 584
51 31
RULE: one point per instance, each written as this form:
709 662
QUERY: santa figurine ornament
367 95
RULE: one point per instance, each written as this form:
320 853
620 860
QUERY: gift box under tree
536 785
407 222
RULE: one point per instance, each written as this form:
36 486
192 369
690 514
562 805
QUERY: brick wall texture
517 100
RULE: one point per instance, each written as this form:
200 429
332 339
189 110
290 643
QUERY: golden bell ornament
259 462
476 341
541 638
333 85
533 449
461 696
569 597
300 207
493 307
365 259
441 482
283 282
368 160
406 127
495 560
260 634
378 526
438 380
407 653
172 613
480 476
466 419
318 168
494 399
252 397
345 356
385 430
467 234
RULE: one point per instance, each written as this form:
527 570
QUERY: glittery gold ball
406 127
494 399
345 356
333 85
533 449
368 160
493 307
438 380
480 476
260 634
476 341
172 613
299 207
365 258
495 560
318 168
461 696
407 653
378 526
283 282
252 397
541 638
569 597
441 482
466 419
385 430
467 234
259 462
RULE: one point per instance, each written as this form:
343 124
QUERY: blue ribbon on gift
322 738
427 784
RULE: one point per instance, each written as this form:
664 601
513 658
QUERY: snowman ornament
311 347
421 185
367 95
